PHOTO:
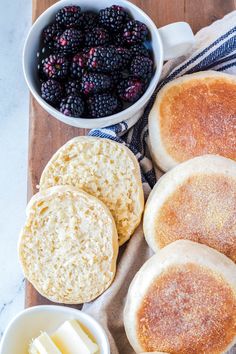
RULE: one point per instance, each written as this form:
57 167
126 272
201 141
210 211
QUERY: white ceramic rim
56 308
109 120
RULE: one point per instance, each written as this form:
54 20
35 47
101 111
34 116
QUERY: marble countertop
15 21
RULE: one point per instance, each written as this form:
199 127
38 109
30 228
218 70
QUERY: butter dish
29 323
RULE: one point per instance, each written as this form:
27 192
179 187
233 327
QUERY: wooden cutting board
46 134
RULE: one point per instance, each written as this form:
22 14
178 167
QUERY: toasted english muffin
68 246
183 300
196 200
192 116
105 169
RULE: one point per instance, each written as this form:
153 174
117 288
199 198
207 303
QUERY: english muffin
196 200
183 300
192 116
105 169
68 246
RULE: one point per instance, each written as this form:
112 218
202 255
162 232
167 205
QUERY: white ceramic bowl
29 323
177 39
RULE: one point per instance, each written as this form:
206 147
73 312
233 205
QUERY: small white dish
29 323
167 42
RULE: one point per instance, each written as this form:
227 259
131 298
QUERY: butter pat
43 345
71 339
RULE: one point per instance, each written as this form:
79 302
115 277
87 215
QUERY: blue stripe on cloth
219 53
222 51
221 61
228 66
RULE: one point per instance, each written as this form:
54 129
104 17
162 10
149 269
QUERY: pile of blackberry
94 64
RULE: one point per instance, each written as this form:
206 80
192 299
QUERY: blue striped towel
215 49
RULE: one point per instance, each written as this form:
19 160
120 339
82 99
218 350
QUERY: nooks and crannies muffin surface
105 169
68 246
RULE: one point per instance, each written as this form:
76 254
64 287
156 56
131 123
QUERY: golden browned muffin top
202 209
188 309
199 117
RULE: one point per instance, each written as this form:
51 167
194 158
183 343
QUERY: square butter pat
43 345
71 339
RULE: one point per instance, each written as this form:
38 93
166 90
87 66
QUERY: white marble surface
15 20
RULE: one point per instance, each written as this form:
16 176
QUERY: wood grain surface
46 134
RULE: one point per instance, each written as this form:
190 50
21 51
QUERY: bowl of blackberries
93 64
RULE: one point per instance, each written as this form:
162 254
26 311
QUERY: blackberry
96 37
103 105
55 66
51 91
135 32
118 39
116 76
141 67
85 52
113 18
104 59
130 90
139 49
50 34
95 83
70 41
69 16
72 106
125 55
89 19
77 66
72 87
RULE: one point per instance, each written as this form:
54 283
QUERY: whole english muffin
194 115
196 200
103 168
183 300
68 246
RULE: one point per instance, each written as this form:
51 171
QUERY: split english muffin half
196 200
183 300
69 245
105 169
194 115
